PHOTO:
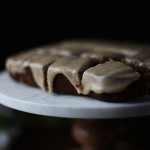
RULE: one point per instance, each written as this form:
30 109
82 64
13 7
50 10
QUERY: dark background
27 25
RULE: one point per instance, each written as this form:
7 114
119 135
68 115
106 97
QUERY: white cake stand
33 100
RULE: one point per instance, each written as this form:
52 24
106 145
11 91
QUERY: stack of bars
103 70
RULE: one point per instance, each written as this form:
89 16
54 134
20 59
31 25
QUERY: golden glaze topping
71 68
110 77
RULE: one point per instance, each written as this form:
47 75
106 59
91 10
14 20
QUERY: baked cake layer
88 68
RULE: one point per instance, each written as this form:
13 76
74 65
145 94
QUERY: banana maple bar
84 69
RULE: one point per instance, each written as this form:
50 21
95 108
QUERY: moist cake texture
105 71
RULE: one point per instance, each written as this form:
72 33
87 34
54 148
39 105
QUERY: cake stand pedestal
33 100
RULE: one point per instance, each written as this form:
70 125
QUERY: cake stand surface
33 100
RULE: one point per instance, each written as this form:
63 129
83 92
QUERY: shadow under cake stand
33 100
